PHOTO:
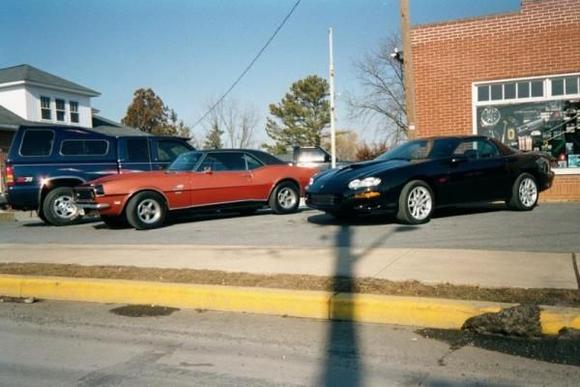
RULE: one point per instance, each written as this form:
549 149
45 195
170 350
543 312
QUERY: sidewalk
430 266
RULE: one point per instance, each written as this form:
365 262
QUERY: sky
190 51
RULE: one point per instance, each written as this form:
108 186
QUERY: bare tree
237 123
382 100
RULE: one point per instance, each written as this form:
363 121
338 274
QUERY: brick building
513 76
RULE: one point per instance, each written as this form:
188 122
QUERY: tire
416 203
58 207
285 198
115 221
524 195
41 216
146 210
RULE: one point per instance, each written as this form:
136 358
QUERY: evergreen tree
301 115
148 113
213 139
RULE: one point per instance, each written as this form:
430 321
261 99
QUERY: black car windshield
412 150
185 161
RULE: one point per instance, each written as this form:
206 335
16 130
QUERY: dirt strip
556 297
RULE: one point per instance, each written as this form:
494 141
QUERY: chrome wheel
64 207
287 198
149 211
528 192
420 203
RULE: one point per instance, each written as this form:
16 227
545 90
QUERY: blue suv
45 162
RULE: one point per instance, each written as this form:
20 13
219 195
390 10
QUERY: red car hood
130 176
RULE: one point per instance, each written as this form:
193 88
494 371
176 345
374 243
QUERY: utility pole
332 116
409 78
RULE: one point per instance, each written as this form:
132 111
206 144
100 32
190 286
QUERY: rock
520 321
29 300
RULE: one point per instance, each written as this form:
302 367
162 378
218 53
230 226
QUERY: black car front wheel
416 203
146 210
524 195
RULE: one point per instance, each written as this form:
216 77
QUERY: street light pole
332 112
407 62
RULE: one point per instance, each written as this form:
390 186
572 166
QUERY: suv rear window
168 150
84 147
37 143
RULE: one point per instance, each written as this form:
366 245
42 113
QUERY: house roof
103 121
31 74
9 120
118 131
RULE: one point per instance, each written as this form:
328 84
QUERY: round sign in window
490 116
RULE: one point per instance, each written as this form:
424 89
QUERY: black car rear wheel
416 203
524 195
146 210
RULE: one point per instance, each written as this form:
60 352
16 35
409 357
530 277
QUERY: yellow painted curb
413 311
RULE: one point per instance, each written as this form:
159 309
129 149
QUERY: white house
28 94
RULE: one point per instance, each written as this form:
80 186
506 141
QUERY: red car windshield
185 161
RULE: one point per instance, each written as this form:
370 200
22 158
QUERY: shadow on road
549 349
35 222
323 219
182 217
342 363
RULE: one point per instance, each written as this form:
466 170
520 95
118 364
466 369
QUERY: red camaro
238 180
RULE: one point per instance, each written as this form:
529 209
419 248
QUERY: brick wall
565 188
543 38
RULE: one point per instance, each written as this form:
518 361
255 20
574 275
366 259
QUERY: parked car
44 163
235 180
418 176
311 157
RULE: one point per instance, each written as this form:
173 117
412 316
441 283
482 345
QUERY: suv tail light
9 176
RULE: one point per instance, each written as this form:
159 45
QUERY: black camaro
415 177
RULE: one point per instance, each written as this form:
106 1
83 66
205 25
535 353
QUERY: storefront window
549 122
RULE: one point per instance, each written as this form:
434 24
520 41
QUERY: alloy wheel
420 203
287 198
149 211
528 192
64 207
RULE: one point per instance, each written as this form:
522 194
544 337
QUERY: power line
250 65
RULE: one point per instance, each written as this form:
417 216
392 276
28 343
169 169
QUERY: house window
74 111
59 109
45 110
541 113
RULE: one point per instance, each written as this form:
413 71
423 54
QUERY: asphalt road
62 344
549 227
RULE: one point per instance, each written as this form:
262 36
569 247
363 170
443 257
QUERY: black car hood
338 179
